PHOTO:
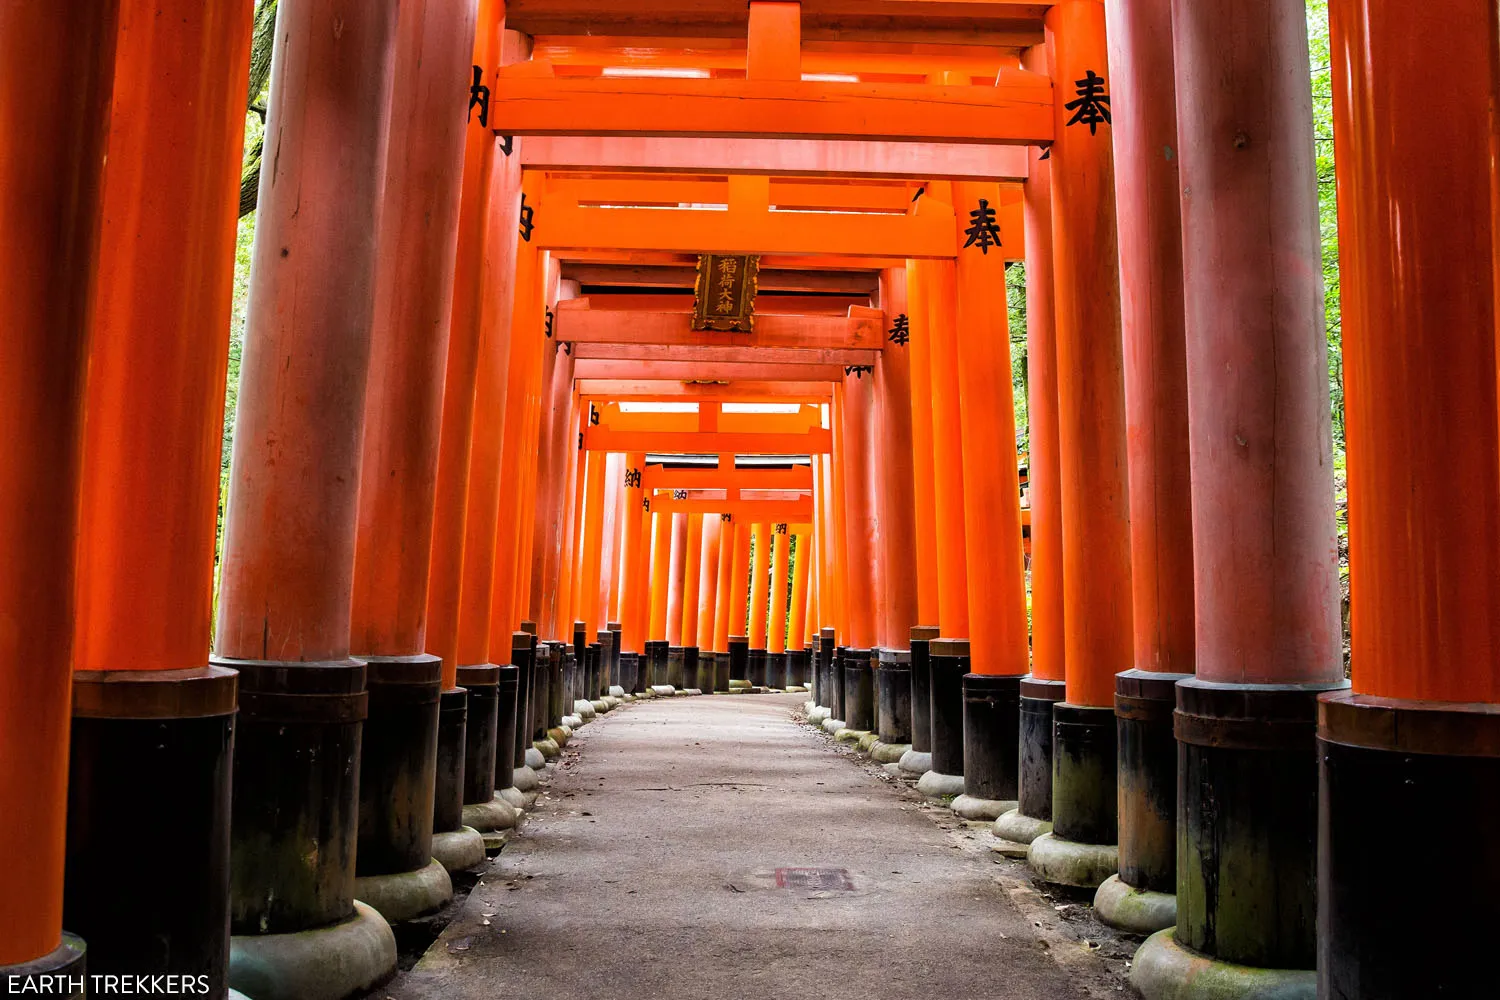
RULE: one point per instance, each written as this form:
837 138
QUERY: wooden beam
686 371
610 326
786 193
600 438
682 276
723 354
785 157
657 477
726 56
769 511
561 226
747 391
529 101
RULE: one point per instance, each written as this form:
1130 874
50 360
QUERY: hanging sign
724 296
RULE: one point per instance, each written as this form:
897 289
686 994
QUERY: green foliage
1328 222
1015 302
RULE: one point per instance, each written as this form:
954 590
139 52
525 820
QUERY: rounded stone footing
917 762
458 849
573 723
1165 970
971 807
405 895
584 709
693 691
601 705
496 814
560 735
616 691
936 784
850 735
1020 828
513 795
68 959
548 748
1067 862
832 726
738 685
324 963
611 702
808 706
866 742
535 759
888 753
525 779
664 690
1139 911
816 716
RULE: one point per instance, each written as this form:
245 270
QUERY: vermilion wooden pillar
918 285
56 73
661 548
633 582
287 571
739 581
796 629
1044 685
725 585
995 577
947 447
149 489
553 510
708 581
834 465
858 438
1264 546
573 520
897 599
1095 505
780 564
1156 419
1419 733
676 567
692 568
588 610
609 544
759 583
445 578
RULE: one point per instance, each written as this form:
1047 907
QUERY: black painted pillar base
799 669
482 731
739 658
920 639
558 702
64 971
570 684
676 658
708 666
839 708
630 672
147 877
721 672
949 662
859 691
776 670
398 764
815 673
828 688
992 742
893 696
1032 816
757 668
541 690
616 652
1379 937
660 654
448 784
1080 851
522 659
585 669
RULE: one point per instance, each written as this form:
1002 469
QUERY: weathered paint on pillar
708 580
491 396
796 629
1151 319
991 500
692 568
948 449
759 582
918 285
633 582
676 567
409 342
661 547
1091 388
860 528
896 557
1044 461
445 576
56 74
739 581
776 621
724 585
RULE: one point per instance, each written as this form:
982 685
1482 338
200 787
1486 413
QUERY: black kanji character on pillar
593 416
858 371
781 529
726 518
645 503
679 494
548 329
900 331
580 440
632 478
1092 104
528 216
507 143
983 231
480 94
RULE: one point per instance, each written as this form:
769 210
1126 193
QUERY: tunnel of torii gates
486 475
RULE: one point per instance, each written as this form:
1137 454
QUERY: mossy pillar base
893 696
992 766
675 672
398 764
1384 757
721 672
708 666
1034 788
1080 851
149 784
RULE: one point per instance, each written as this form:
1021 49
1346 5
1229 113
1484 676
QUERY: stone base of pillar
1248 778
937 785
584 710
560 734
1165 969
708 669
66 961
630 673
859 691
847 735
535 759
457 850
573 723
888 753
601 706
149 781
1070 862
325 963
525 779
1141 900
721 672
776 671
949 662
832 726
448 785
1035 788
675 657
496 814
548 748
971 807
1381 758
755 670
663 690
915 761
405 895
514 797
893 697
815 716
1019 828
482 736
991 743
1136 911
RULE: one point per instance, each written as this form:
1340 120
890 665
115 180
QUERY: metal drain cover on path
814 878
